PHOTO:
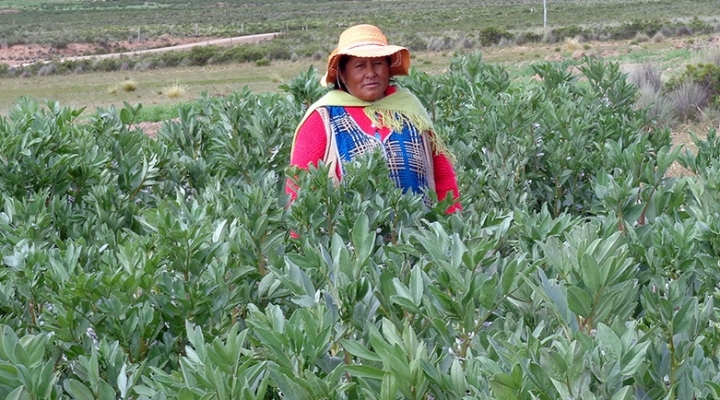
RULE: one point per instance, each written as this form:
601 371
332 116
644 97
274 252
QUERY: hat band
364 44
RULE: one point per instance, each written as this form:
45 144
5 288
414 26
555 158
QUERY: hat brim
399 65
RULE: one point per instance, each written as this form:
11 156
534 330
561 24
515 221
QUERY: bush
706 75
646 76
549 37
688 99
572 32
491 35
128 85
199 55
683 31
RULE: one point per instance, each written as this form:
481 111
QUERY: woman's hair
342 63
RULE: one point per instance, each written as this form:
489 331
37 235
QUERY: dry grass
175 91
573 44
128 85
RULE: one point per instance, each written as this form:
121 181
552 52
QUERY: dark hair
342 63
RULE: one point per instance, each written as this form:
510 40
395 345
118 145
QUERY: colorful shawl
390 111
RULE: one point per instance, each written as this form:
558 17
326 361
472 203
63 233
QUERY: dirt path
215 42
22 55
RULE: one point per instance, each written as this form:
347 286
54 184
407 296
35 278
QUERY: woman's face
366 78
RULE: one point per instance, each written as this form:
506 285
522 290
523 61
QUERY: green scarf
391 111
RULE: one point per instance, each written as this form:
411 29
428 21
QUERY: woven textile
405 151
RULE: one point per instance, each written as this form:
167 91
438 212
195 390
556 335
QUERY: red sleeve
309 147
446 181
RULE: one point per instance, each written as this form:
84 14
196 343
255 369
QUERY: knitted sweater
311 141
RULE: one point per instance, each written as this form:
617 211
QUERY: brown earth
23 54
17 55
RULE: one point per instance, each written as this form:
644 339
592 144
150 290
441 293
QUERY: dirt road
214 42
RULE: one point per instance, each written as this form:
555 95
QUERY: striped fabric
404 151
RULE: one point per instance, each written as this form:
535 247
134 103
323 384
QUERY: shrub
572 44
549 37
414 42
706 75
683 31
277 52
465 43
106 64
491 35
176 90
641 37
172 58
713 56
658 107
263 62
439 44
45 70
128 85
646 76
199 55
572 31
688 99
658 37
504 42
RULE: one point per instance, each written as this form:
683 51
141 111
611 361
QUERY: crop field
143 267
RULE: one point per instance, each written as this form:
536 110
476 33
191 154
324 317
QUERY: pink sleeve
446 181
309 147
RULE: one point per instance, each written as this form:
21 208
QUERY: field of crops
139 268
161 268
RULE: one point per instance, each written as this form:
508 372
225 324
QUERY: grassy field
94 89
311 27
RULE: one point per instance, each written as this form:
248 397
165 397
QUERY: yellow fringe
395 120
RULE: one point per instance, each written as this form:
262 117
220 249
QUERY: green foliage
491 35
165 269
707 75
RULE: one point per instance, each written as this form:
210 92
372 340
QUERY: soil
18 55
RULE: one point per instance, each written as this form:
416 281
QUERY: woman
365 112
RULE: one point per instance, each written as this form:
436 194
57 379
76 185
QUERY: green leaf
416 285
609 340
18 394
579 301
185 394
633 359
590 273
501 385
389 387
509 276
78 391
125 116
625 393
364 371
685 316
457 251
358 350
106 392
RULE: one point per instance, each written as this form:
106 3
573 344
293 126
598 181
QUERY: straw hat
366 41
